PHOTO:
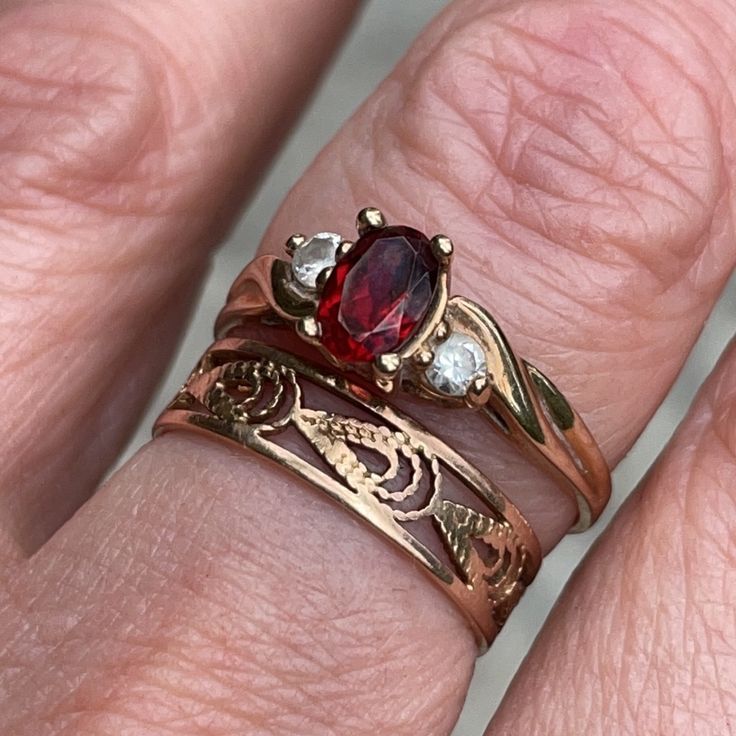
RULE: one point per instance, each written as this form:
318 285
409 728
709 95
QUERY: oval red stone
378 294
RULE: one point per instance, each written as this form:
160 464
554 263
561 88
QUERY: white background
378 41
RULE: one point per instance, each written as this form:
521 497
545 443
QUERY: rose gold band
519 401
381 465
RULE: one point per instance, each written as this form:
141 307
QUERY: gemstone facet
458 361
378 294
310 259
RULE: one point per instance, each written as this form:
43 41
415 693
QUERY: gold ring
380 306
381 465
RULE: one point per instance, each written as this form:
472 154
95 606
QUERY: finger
129 132
644 640
590 209
268 609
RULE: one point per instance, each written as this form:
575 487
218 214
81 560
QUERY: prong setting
309 330
370 218
294 243
442 331
345 247
386 368
442 248
322 278
388 364
479 392
424 357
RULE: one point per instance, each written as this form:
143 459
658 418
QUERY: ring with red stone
380 307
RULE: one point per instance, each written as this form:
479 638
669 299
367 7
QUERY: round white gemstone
458 361
317 254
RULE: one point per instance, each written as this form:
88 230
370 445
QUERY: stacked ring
380 307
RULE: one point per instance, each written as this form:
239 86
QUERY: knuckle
592 127
75 101
92 113
219 670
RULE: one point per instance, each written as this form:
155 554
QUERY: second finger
129 133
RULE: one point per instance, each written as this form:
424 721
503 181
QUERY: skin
580 151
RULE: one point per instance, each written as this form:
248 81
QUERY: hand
581 151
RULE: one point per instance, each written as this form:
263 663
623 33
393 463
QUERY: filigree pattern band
373 460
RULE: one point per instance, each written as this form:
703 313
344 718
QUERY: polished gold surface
381 465
519 401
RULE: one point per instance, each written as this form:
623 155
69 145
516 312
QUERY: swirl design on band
524 405
251 394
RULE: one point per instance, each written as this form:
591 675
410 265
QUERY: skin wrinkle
94 398
510 174
666 169
680 69
144 141
178 123
609 347
706 50
85 331
56 88
583 201
210 672
631 206
131 123
509 215
485 266
308 648
649 108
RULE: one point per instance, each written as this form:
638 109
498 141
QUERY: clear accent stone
458 361
317 254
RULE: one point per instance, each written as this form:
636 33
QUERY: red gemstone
378 294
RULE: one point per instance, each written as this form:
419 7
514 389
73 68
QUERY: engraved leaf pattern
334 437
460 527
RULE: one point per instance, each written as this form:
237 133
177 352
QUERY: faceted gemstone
313 257
378 294
458 361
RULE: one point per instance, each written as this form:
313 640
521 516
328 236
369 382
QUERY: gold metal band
373 460
519 401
